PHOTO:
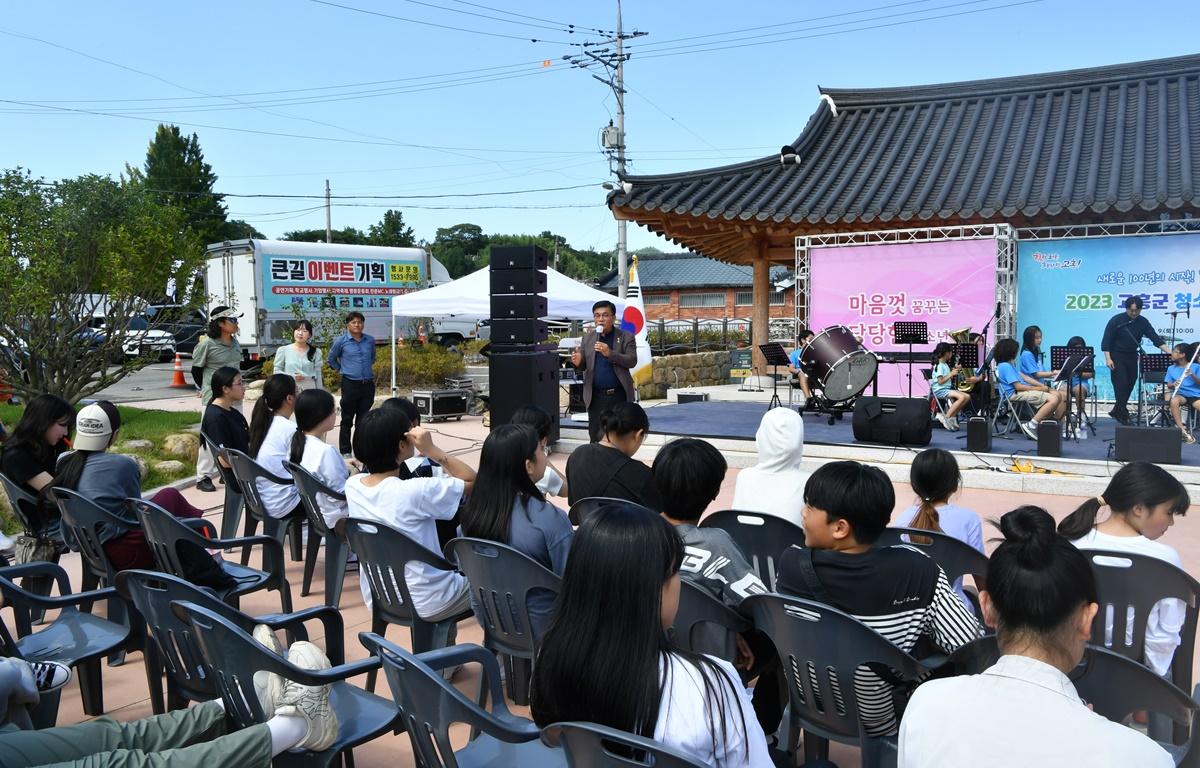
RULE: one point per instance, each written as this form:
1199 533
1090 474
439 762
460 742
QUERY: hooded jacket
775 486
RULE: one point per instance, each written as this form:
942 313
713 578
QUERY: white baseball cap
220 313
95 425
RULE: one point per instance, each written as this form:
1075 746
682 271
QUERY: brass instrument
961 383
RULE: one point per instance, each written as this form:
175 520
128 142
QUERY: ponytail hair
934 477
275 393
313 406
1138 482
941 349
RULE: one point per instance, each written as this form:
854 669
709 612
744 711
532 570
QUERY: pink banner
867 288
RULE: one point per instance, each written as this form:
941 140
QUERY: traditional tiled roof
661 271
1117 138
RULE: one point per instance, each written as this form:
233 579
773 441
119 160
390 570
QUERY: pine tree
176 174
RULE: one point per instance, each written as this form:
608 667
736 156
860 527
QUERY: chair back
501 580
218 452
704 624
956 558
164 532
383 552
588 745
24 602
820 648
311 488
762 538
247 471
83 524
21 502
581 509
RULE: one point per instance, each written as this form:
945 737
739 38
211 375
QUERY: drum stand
910 333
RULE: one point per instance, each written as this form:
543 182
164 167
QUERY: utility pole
622 255
328 215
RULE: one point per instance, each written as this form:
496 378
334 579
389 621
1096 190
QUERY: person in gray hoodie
775 486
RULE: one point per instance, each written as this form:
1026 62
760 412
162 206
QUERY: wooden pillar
761 309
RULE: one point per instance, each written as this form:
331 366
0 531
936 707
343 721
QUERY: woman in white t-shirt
315 414
617 666
1143 499
384 439
271 430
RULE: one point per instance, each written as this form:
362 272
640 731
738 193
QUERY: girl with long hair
514 511
1041 598
553 482
271 430
1020 387
1143 500
942 383
1182 368
30 456
610 661
315 414
607 468
223 421
1030 361
1081 382
935 479
301 359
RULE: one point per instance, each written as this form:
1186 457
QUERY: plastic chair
704 624
171 647
164 534
956 558
17 497
501 581
248 472
234 501
337 553
762 538
429 706
830 645
935 403
586 506
383 552
588 745
1011 412
75 638
232 657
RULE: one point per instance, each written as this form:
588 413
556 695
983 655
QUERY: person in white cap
218 349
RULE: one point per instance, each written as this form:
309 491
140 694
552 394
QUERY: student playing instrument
1030 361
943 385
1020 388
1081 382
796 367
1187 392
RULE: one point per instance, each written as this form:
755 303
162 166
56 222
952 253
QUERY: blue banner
1072 287
337 283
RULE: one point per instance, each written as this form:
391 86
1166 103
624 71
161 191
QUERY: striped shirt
897 591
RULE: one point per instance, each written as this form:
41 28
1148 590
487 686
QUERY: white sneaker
50 675
8 545
309 701
1030 429
941 419
268 685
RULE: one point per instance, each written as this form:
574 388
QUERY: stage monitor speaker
530 377
979 435
524 330
892 420
1049 439
1153 444
518 257
517 281
507 307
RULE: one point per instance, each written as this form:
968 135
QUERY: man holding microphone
1122 339
605 356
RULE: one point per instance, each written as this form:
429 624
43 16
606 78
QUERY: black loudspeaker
575 402
529 376
518 281
979 435
518 257
518 305
892 420
1049 439
1153 444
523 330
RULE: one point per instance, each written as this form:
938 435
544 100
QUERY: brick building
683 286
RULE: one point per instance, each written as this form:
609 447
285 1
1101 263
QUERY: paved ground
150 383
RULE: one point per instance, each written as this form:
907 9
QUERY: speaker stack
522 368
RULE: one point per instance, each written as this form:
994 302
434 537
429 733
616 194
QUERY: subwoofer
1154 444
518 257
530 377
892 420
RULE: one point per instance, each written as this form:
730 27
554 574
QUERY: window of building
746 299
656 298
702 300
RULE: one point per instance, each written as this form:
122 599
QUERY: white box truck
266 279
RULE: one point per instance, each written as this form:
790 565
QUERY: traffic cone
178 382
400 341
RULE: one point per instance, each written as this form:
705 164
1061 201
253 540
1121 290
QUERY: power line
433 24
568 28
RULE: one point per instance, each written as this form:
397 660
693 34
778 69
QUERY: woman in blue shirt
1081 382
1020 388
1031 358
1186 392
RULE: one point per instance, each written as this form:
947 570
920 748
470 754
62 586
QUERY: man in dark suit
1120 344
605 357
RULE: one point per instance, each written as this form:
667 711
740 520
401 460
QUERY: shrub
426 366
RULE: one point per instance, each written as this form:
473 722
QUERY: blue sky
495 119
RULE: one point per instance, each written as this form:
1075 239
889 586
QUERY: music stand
1060 359
1066 374
775 356
910 332
1148 363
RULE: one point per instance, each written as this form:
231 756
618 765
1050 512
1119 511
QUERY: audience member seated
1041 598
315 414
30 455
607 658
607 468
383 441
935 478
552 482
775 486
897 591
423 466
1143 499
223 421
514 512
271 430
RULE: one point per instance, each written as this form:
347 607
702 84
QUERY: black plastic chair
956 558
429 706
164 534
501 580
588 745
232 512
232 658
75 638
762 538
704 624
822 647
18 499
248 472
337 552
586 506
171 648
383 552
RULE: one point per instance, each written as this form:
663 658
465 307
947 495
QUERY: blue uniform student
1081 383
1021 388
1188 391
942 383
795 367
1030 362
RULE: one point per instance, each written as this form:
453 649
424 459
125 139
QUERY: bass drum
841 366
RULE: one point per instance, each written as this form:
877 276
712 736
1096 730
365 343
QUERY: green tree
80 253
391 231
461 248
175 174
236 229
345 236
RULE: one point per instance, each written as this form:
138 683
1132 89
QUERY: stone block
170 466
183 444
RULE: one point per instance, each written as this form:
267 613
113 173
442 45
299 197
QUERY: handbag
32 548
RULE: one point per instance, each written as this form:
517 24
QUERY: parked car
139 342
185 324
